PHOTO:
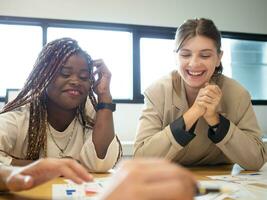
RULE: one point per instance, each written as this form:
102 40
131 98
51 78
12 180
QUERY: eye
185 55
65 72
205 55
84 76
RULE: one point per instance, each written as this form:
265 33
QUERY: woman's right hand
199 107
197 110
145 179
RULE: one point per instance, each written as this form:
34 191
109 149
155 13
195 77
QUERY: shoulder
160 86
14 122
234 94
19 114
232 87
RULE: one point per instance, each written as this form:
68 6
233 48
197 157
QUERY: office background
243 16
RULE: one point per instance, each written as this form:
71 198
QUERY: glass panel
19 48
156 59
246 62
114 47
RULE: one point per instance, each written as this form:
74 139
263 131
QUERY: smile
74 92
193 73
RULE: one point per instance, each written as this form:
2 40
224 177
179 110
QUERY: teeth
195 73
74 92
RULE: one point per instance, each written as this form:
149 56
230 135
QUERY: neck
58 117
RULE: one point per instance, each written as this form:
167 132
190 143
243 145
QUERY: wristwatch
110 106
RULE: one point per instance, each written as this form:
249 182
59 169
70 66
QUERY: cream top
13 139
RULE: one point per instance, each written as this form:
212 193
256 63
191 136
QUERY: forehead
199 43
76 60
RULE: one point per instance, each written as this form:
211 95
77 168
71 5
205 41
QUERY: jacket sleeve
89 158
243 144
152 138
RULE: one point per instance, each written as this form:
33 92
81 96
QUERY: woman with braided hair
56 113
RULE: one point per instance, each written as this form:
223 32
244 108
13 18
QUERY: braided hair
48 63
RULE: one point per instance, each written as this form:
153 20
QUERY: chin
71 106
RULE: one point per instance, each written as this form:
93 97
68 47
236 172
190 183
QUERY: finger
159 172
19 182
168 173
98 62
68 173
99 70
173 189
214 88
80 171
207 99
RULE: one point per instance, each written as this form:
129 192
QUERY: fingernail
27 179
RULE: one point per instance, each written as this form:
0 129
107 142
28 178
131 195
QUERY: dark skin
68 90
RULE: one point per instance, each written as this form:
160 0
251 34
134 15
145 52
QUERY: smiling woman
198 115
55 115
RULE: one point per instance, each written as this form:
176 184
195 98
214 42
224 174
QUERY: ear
219 59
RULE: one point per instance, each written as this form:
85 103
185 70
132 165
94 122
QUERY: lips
195 73
73 92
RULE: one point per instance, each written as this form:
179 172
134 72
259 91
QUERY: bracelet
110 106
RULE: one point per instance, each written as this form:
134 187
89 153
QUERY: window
114 47
136 55
19 48
156 58
243 60
246 62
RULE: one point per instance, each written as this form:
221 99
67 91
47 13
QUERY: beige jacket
242 144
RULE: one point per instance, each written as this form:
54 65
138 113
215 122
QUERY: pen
201 190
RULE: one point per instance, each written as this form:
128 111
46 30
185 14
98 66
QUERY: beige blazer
242 144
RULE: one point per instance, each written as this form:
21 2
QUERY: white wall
229 15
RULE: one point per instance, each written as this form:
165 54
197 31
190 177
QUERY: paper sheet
86 191
251 185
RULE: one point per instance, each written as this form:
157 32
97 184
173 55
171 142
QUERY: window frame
138 32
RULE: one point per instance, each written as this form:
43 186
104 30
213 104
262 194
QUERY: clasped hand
207 102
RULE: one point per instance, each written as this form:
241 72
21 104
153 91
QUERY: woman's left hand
102 83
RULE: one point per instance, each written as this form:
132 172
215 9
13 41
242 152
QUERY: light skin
197 59
68 90
142 179
41 171
148 179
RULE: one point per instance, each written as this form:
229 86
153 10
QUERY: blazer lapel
178 95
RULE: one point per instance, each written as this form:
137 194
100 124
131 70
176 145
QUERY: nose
74 80
194 61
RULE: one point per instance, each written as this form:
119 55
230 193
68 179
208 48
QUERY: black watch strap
110 106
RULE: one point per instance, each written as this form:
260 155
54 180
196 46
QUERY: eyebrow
202 50
66 66
71 67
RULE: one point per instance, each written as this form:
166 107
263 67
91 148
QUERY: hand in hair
102 84
41 171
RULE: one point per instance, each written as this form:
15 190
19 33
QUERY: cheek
181 65
50 91
87 87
